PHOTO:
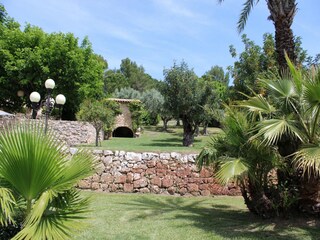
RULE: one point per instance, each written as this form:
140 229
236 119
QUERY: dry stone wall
71 132
164 173
74 132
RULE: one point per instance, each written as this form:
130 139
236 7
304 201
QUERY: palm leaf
63 215
7 204
231 168
308 159
273 129
296 75
30 161
257 104
80 166
41 175
207 156
247 7
283 88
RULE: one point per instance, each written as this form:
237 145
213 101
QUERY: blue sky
154 33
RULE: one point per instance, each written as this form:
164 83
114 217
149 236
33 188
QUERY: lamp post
48 103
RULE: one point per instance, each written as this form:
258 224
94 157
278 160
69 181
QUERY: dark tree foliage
30 56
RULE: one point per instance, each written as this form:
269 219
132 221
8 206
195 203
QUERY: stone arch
123 122
122 131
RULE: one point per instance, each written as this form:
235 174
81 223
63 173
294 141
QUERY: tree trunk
205 129
178 122
97 136
197 131
309 200
257 202
165 124
282 13
188 133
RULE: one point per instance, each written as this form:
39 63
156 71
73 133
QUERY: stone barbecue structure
123 122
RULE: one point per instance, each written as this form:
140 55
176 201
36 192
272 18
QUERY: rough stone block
140 183
164 156
107 153
205 173
193 187
183 191
167 182
84 184
205 193
100 168
121 179
107 160
97 152
106 178
151 163
144 190
95 186
156 181
171 190
128 187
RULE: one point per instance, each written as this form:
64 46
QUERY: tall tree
282 13
253 62
3 13
114 80
136 76
153 102
29 56
183 93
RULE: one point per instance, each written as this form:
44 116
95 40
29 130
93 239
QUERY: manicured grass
154 140
135 216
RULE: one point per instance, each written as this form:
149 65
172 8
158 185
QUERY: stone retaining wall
71 132
164 173
74 132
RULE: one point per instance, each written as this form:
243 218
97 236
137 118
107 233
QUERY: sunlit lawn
135 216
154 140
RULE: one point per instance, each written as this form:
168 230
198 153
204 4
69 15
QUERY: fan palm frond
231 168
207 156
283 89
258 104
62 217
308 159
296 74
41 177
7 204
273 129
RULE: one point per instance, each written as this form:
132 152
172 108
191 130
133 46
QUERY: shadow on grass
167 142
224 220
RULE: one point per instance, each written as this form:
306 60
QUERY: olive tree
185 97
100 113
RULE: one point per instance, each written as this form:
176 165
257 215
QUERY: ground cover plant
153 139
137 216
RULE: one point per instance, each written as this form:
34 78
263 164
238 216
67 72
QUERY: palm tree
274 149
248 163
37 179
282 13
290 118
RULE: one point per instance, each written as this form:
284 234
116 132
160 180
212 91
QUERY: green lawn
134 216
154 140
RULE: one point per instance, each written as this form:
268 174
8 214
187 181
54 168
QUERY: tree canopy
30 56
184 94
